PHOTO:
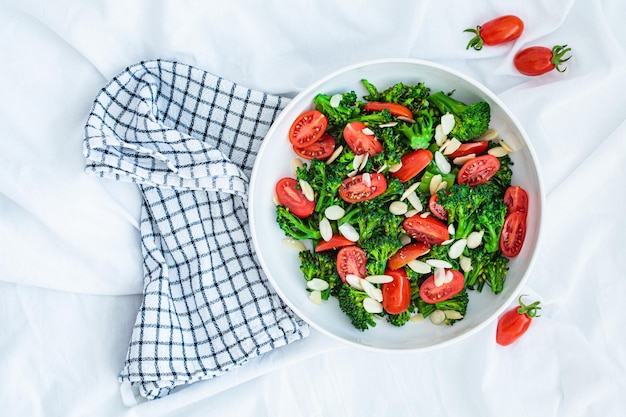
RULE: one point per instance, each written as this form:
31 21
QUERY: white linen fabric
189 139
71 262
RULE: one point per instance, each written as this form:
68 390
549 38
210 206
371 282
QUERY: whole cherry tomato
537 60
495 32
514 323
397 293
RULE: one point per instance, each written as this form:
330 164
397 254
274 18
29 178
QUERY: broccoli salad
406 196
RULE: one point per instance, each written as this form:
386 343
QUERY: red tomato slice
513 234
291 196
478 170
437 209
321 149
359 141
394 108
337 241
466 148
426 229
397 293
516 199
406 254
412 164
431 294
355 190
308 128
351 260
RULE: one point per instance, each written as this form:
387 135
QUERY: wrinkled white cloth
189 140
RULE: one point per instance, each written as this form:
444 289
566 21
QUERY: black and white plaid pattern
189 140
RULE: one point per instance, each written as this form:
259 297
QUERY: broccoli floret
419 133
464 203
319 265
379 249
371 218
414 97
351 303
471 120
296 227
502 177
340 114
490 219
399 320
371 119
324 180
487 267
457 303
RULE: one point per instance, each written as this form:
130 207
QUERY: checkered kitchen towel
189 139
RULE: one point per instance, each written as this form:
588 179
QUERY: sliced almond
439 263
349 232
364 161
316 297
448 277
317 284
395 167
497 151
451 229
505 146
326 229
463 159
275 200
435 181
367 131
415 201
335 100
398 208
405 239
334 212
440 137
390 124
356 162
465 263
490 134
474 239
439 276
381 169
406 119
371 290
335 155
447 123
354 281
419 266
411 213
452 315
442 163
293 244
295 164
409 190
379 279
372 306
447 242
307 190
437 317
367 180
457 248
452 145
416 318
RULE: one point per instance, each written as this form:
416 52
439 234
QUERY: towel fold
189 139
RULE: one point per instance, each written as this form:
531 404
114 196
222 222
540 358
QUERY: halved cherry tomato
432 294
467 148
355 190
321 149
308 128
412 164
516 199
496 31
426 229
537 60
397 293
437 209
406 254
291 196
478 170
394 108
351 261
513 234
515 322
337 241
361 142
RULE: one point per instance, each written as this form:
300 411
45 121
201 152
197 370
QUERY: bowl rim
315 86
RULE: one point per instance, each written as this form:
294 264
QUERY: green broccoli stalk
490 219
351 303
296 227
339 114
471 120
379 249
419 133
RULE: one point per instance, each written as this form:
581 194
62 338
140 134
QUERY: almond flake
372 306
465 263
356 162
367 131
440 137
366 157
317 284
398 208
439 263
405 239
295 164
457 248
307 190
349 232
326 229
490 134
406 119
354 281
497 151
435 181
442 163
390 124
336 100
371 290
335 155
379 279
293 244
439 276
474 239
452 145
505 146
334 212
316 297
367 180
415 201
395 167
411 213
448 277
419 266
447 123
409 190
437 317
463 159
452 315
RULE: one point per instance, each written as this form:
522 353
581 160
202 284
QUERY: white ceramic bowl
281 264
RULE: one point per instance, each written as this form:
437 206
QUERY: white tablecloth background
70 262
